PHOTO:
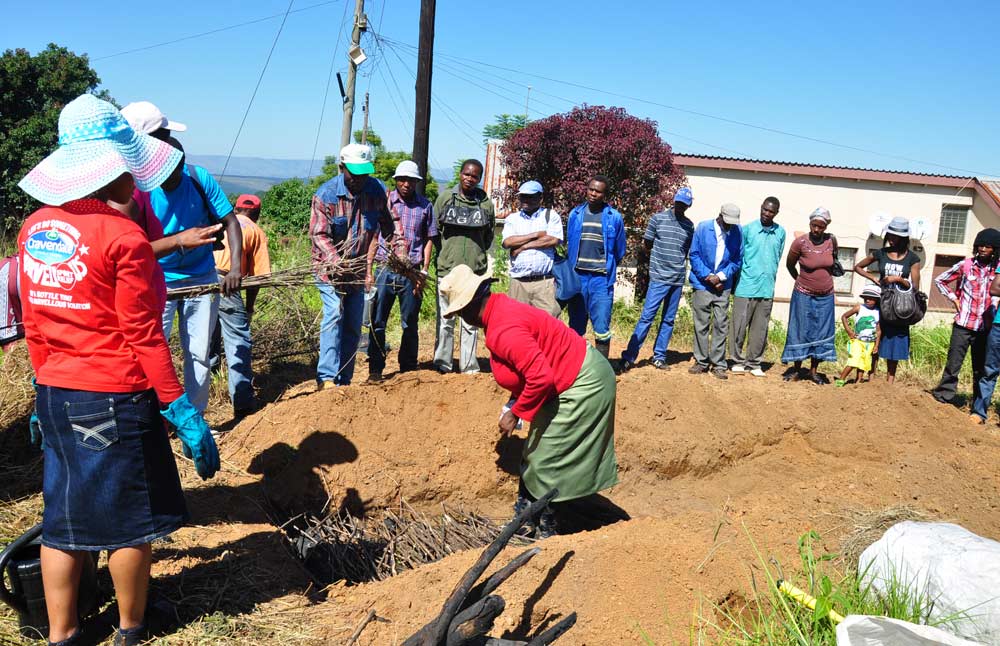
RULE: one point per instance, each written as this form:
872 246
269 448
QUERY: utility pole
364 130
360 25
422 113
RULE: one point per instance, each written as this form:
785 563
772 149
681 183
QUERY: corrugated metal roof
793 165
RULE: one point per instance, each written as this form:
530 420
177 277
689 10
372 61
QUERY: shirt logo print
54 255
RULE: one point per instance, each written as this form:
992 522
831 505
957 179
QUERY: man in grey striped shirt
667 241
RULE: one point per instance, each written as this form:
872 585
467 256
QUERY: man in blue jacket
595 244
716 254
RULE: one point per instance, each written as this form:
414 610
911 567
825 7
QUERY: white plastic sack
862 630
956 569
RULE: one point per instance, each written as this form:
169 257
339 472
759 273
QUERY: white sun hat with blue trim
96 145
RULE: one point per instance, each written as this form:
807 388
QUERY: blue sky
913 80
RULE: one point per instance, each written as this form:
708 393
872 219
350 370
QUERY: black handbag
902 306
837 269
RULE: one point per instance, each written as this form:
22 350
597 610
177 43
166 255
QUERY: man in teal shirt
763 243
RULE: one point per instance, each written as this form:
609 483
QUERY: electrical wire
211 31
326 91
702 114
256 87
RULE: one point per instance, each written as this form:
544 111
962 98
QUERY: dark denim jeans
388 287
981 404
659 293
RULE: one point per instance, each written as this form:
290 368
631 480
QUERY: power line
708 116
212 31
326 92
256 87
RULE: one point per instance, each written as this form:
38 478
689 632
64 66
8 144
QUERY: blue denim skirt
110 479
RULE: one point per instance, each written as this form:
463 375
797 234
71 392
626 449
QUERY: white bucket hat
459 287
96 145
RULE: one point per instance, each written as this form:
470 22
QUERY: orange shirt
92 311
256 261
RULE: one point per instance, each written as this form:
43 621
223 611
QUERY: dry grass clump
865 526
16 394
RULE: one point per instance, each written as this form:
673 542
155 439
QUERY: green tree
505 126
33 90
285 208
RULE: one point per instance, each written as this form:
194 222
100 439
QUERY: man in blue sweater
716 254
595 244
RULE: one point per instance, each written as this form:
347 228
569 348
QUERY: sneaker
738 369
326 383
660 364
976 419
375 377
528 528
720 373
757 372
698 369
442 370
624 365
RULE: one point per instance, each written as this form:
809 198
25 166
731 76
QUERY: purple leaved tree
563 151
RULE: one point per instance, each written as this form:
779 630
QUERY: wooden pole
422 112
360 25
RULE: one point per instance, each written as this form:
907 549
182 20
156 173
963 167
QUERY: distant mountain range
254 174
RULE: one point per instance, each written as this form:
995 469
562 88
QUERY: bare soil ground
707 470
706 467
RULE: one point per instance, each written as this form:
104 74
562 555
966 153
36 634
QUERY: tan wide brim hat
459 287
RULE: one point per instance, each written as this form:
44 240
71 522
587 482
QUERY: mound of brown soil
705 467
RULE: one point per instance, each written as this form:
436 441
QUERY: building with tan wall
950 209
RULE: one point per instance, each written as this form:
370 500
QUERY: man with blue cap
531 236
666 242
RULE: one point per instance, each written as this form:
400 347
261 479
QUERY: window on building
846 256
952 227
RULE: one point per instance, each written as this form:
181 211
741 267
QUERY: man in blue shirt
667 242
763 243
595 242
190 198
716 253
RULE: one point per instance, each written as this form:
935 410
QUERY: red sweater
533 354
92 313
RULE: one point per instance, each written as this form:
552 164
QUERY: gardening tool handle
6 595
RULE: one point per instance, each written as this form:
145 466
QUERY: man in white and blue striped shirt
667 241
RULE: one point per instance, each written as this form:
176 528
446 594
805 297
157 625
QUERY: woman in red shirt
103 369
560 384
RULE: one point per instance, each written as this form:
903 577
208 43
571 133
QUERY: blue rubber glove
37 440
194 434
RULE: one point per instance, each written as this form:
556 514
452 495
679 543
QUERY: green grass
771 618
928 344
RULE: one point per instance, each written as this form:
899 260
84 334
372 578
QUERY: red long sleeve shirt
92 313
533 354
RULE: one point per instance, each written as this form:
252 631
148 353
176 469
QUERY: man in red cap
234 315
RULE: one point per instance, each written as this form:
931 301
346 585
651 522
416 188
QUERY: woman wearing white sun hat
103 368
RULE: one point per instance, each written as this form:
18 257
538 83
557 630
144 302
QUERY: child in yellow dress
865 332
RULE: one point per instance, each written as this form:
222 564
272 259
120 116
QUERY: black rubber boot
603 347
528 528
547 524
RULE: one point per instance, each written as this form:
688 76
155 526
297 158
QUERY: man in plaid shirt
974 309
413 219
347 213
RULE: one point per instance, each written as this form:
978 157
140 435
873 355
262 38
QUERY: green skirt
571 444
